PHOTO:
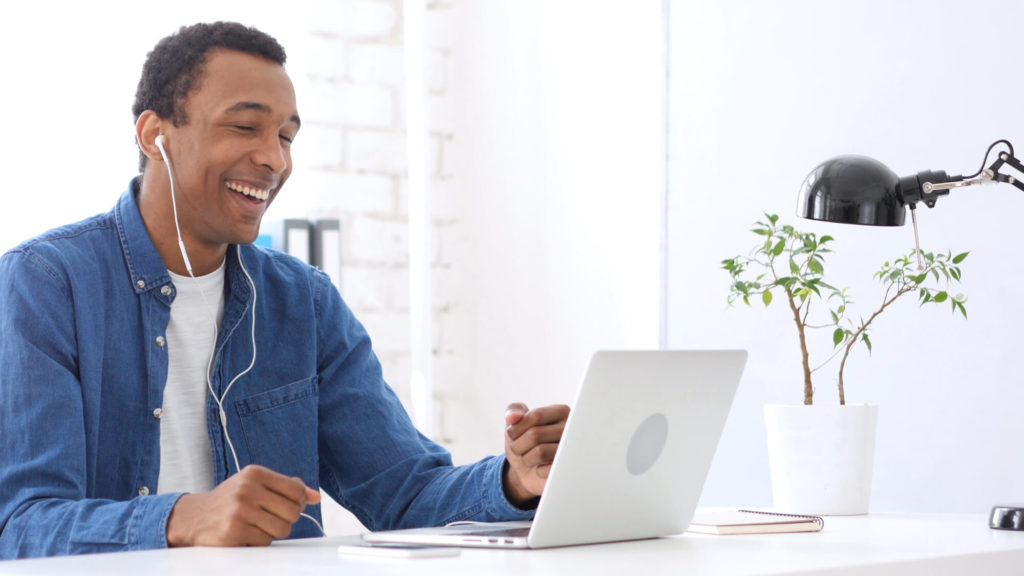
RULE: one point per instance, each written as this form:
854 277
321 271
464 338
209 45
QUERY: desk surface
878 544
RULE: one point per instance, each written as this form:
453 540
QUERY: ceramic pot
821 457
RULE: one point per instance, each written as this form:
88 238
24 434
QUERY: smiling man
165 383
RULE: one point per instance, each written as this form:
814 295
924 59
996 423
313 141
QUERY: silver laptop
633 457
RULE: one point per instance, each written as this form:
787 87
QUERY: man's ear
147 128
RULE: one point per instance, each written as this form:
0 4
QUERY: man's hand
531 439
251 508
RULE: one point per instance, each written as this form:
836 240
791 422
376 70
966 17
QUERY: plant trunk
856 335
805 357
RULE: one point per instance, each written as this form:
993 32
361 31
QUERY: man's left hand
531 439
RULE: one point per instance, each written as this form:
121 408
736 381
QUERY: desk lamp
861 190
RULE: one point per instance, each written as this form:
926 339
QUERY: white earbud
160 144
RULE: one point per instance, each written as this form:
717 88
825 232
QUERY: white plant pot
821 457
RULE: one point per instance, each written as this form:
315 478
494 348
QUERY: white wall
762 92
69 84
558 172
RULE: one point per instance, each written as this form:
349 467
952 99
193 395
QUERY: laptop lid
634 454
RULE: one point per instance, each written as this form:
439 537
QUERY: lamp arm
1006 158
930 190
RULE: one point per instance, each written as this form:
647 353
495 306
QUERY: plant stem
853 339
808 389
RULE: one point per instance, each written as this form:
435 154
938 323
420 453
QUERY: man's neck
157 211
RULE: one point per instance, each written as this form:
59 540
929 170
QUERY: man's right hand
251 508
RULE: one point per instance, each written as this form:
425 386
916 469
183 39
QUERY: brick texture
353 156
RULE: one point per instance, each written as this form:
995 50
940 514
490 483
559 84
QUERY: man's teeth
254 192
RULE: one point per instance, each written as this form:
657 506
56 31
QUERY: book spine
818 519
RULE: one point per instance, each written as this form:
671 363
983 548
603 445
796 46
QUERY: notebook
724 521
633 457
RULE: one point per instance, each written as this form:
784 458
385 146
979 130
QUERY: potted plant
807 444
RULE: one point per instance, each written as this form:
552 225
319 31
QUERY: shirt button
144 491
160 341
140 284
166 290
157 413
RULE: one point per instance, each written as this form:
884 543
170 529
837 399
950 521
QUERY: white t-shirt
186 464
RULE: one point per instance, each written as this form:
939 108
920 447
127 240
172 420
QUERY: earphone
174 202
159 141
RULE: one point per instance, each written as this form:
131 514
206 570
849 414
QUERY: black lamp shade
852 190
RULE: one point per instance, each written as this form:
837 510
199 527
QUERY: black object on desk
1010 517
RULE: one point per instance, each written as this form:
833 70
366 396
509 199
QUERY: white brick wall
352 158
377 151
352 154
378 64
355 19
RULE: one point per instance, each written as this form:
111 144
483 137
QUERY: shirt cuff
147 528
494 491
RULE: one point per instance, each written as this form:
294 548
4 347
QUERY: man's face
233 156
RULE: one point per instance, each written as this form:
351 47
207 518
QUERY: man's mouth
250 191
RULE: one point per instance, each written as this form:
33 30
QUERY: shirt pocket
280 429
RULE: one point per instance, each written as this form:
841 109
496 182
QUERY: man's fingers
312 496
548 415
536 436
540 455
279 506
266 504
274 525
290 488
515 412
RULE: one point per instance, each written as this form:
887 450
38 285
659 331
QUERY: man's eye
286 138
244 128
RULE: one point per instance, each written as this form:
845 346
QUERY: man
165 383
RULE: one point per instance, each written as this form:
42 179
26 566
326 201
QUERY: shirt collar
145 266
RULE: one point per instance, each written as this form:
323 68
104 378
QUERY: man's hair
175 66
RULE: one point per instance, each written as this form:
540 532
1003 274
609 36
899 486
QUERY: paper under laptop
633 457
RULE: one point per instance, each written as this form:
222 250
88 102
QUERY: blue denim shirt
83 309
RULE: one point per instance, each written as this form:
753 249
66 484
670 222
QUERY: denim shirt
83 363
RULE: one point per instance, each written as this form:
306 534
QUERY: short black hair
175 66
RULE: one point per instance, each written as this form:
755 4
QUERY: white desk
877 544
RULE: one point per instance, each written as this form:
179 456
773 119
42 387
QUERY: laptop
632 460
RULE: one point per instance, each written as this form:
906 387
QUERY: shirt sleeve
373 460
45 508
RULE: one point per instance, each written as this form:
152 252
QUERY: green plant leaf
793 268
815 266
941 296
760 231
960 257
766 297
779 247
838 335
866 340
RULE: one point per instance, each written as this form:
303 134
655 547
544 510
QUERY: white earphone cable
209 368
174 203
